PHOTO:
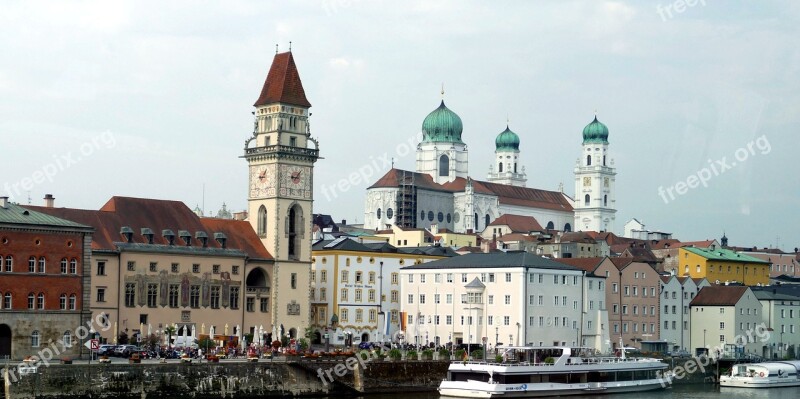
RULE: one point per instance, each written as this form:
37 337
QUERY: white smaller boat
763 375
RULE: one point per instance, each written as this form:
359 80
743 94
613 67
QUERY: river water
688 391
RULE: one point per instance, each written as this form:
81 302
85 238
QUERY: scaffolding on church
406 201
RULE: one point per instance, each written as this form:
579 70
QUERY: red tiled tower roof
283 83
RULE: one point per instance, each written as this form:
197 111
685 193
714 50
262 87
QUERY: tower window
500 167
586 200
476 221
588 160
379 213
444 165
515 167
293 141
262 221
605 200
486 223
604 160
294 230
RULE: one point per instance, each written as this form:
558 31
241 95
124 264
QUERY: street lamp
496 338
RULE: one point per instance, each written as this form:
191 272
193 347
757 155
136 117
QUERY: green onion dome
507 140
595 132
442 125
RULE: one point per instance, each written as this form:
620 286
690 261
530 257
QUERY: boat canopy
768 369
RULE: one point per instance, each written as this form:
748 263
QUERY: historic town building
355 288
280 155
155 264
44 284
502 298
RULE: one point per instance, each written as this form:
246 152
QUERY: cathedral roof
518 223
442 125
507 195
283 83
159 215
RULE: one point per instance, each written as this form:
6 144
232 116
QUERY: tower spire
290 45
442 91
276 48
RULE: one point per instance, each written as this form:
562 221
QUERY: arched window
73 266
262 221
379 213
389 213
35 338
32 264
73 299
567 228
444 165
294 230
604 160
9 263
486 220
62 301
31 301
67 339
41 264
586 200
588 160
605 200
476 222
515 167
40 301
500 167
64 266
7 302
550 225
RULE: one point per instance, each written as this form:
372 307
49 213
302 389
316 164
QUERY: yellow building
414 237
721 265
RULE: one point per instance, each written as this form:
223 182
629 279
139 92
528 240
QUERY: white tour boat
552 371
763 375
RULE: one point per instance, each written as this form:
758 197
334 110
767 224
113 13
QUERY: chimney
344 221
49 201
3 202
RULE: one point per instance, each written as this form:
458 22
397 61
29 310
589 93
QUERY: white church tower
441 153
506 154
594 182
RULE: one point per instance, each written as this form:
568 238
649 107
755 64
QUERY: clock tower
280 155
595 177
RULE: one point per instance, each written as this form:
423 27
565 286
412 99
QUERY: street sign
92 344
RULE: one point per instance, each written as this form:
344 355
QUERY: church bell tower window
444 165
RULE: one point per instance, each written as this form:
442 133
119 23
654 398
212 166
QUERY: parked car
105 350
124 350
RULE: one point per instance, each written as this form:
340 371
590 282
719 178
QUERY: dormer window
221 239
169 236
148 234
186 237
202 237
127 232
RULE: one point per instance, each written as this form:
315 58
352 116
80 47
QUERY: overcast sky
153 99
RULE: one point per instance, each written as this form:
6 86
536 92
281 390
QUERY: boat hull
479 389
749 382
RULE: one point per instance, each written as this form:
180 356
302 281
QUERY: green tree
205 343
169 330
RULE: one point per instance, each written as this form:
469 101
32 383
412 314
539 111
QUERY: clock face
587 181
261 179
605 182
295 181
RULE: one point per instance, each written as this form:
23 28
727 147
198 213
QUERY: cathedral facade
441 192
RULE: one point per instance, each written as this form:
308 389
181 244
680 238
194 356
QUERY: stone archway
5 341
365 337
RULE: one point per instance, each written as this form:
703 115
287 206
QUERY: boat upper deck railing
573 361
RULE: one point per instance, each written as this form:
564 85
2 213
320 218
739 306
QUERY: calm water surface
680 392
